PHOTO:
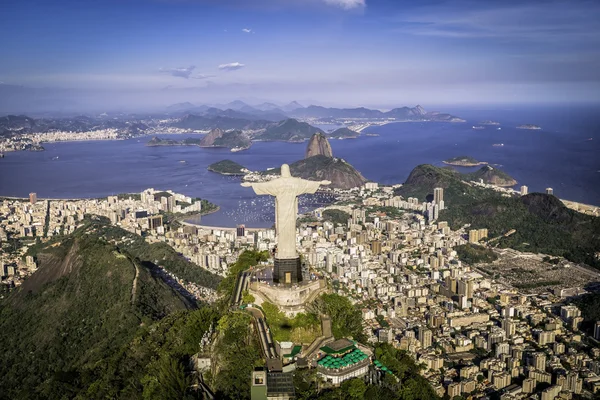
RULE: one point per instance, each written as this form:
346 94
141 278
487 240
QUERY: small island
227 167
464 161
488 122
529 126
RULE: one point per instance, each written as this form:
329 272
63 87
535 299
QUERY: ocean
564 155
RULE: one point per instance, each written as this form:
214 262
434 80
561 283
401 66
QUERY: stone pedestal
287 271
292 299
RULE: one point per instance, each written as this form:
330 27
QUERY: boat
498 144
498 129
478 127
182 161
1 155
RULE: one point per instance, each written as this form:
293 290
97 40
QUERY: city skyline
331 52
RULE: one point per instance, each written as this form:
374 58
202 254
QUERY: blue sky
333 52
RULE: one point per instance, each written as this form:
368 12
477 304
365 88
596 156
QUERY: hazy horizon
138 55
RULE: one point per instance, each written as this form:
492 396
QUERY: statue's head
285 171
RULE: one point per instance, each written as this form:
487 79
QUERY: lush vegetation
542 223
237 353
226 167
303 328
336 216
474 254
346 319
249 258
95 322
146 253
390 212
61 328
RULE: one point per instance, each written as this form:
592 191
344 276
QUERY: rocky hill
289 130
542 223
156 141
318 145
87 300
492 176
317 168
229 139
319 165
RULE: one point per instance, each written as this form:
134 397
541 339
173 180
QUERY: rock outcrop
341 174
318 145
492 176
320 164
209 139
230 139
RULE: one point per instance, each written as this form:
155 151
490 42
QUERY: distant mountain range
265 121
270 111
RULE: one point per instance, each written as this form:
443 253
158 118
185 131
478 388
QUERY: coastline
456 164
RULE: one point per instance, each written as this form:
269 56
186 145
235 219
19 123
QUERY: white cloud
347 4
178 72
231 66
247 30
551 22
202 76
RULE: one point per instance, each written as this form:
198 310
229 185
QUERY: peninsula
464 161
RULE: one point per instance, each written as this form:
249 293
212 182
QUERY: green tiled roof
351 358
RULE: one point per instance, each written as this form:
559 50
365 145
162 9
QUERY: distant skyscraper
597 331
241 230
376 247
425 337
549 191
32 198
524 190
438 195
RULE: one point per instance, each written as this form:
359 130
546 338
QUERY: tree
355 388
171 381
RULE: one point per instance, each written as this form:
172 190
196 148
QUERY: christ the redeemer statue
286 190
